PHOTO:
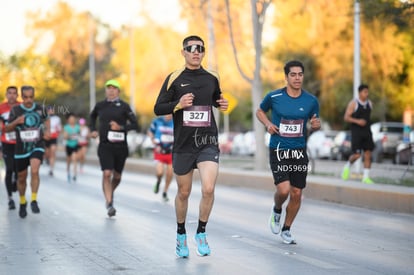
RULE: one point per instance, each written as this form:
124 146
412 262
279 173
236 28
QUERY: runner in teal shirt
291 109
71 133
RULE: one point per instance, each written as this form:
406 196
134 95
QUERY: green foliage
319 33
241 117
396 12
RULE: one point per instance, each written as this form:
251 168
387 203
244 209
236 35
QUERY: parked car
226 142
139 143
244 144
134 140
405 151
386 136
341 148
319 144
238 144
146 146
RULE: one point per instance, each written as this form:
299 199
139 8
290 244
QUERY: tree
321 33
395 12
196 13
391 21
259 8
68 55
157 53
383 62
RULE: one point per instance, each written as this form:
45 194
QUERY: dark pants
11 172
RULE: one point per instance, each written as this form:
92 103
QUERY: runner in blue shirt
161 132
291 108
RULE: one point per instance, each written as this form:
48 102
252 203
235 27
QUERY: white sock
366 173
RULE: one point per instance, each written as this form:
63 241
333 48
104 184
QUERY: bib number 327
197 116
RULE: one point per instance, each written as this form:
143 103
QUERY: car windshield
390 129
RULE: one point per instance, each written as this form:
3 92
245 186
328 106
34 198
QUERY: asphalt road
73 235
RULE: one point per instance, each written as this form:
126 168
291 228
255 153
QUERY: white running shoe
287 237
274 222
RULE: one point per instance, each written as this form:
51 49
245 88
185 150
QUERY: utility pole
132 69
92 89
357 66
212 62
357 55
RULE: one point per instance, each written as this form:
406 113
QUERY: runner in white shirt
51 144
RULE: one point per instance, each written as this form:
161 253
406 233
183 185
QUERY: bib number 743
291 128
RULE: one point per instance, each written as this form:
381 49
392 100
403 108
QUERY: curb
382 197
388 198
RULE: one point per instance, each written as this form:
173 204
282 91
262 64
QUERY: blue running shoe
182 249
202 246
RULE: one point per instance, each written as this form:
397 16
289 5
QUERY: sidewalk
390 198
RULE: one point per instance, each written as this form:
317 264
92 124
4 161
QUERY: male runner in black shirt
31 124
358 113
189 94
115 120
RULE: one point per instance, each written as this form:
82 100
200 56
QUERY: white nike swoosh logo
183 85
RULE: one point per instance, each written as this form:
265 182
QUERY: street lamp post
132 69
92 89
357 64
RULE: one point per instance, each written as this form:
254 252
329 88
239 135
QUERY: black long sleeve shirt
107 111
206 89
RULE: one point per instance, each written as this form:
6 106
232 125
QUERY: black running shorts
289 165
112 156
71 150
362 141
22 164
185 162
49 142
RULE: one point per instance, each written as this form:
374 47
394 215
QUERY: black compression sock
201 227
285 227
181 228
278 211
